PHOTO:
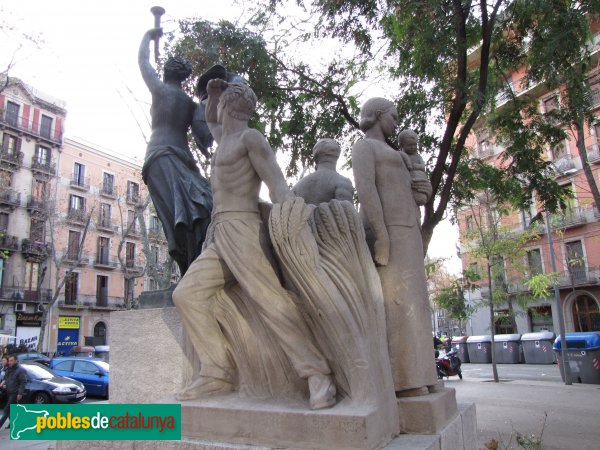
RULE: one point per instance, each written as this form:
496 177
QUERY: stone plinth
427 414
283 424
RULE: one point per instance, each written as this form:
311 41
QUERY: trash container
537 347
507 348
480 349
460 344
583 354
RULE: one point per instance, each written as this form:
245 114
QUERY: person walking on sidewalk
14 382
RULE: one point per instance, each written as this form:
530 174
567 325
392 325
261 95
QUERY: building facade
69 223
575 230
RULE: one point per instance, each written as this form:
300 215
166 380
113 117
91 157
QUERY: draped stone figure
390 213
181 196
325 184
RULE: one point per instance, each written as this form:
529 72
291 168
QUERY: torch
157 12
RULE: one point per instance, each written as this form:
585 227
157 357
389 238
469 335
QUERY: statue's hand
382 251
155 33
216 86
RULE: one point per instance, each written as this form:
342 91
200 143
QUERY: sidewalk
503 409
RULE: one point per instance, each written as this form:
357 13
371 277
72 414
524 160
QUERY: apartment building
575 230
68 223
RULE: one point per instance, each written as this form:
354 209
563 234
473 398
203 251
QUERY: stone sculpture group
305 297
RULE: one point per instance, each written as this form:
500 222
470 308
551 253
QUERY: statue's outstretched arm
214 88
148 73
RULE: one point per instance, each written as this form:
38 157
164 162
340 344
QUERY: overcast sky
88 58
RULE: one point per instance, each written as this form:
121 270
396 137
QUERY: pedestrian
14 382
3 367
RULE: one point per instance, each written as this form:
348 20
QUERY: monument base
152 339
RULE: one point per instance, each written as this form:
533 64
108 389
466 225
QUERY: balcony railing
11 160
41 295
34 129
572 217
102 262
102 300
104 224
35 204
8 242
578 276
108 190
77 216
10 198
593 153
35 250
80 183
132 268
46 167
564 164
156 234
72 257
133 199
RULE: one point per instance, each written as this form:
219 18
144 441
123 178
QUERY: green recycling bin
537 347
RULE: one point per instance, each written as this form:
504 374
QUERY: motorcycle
448 365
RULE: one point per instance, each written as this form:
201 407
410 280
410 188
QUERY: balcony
564 166
77 217
133 199
37 251
104 225
593 153
24 125
579 276
37 205
10 198
72 258
156 234
132 268
11 161
80 183
105 263
42 295
571 218
9 243
132 232
42 167
108 190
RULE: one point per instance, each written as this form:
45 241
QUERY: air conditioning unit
40 308
20 307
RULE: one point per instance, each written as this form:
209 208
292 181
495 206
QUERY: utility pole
564 360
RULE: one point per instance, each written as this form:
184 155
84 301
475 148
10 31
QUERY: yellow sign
68 322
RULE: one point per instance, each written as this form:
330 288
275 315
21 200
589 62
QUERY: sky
88 57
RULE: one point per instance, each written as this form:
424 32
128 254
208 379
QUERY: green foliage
540 284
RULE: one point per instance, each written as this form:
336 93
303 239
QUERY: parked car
45 386
92 372
33 356
102 352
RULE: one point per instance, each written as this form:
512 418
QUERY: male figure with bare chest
239 253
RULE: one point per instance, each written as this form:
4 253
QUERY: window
154 254
12 113
102 290
130 254
570 202
469 223
10 144
484 148
73 248
37 231
3 222
76 203
154 224
65 366
133 192
503 322
46 126
79 174
586 314
100 333
32 270
559 151
575 261
40 190
131 221
534 261
152 284
105 215
525 217
42 155
498 272
550 103
71 283
84 367
103 249
540 318
129 289
108 184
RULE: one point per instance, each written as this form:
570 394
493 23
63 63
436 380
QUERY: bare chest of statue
235 181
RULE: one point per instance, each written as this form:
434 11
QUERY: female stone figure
390 214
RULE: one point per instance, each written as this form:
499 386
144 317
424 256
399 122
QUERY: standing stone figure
385 191
239 253
325 184
181 196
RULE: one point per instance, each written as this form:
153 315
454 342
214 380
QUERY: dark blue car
92 372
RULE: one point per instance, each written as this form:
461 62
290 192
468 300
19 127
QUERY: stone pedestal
147 359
